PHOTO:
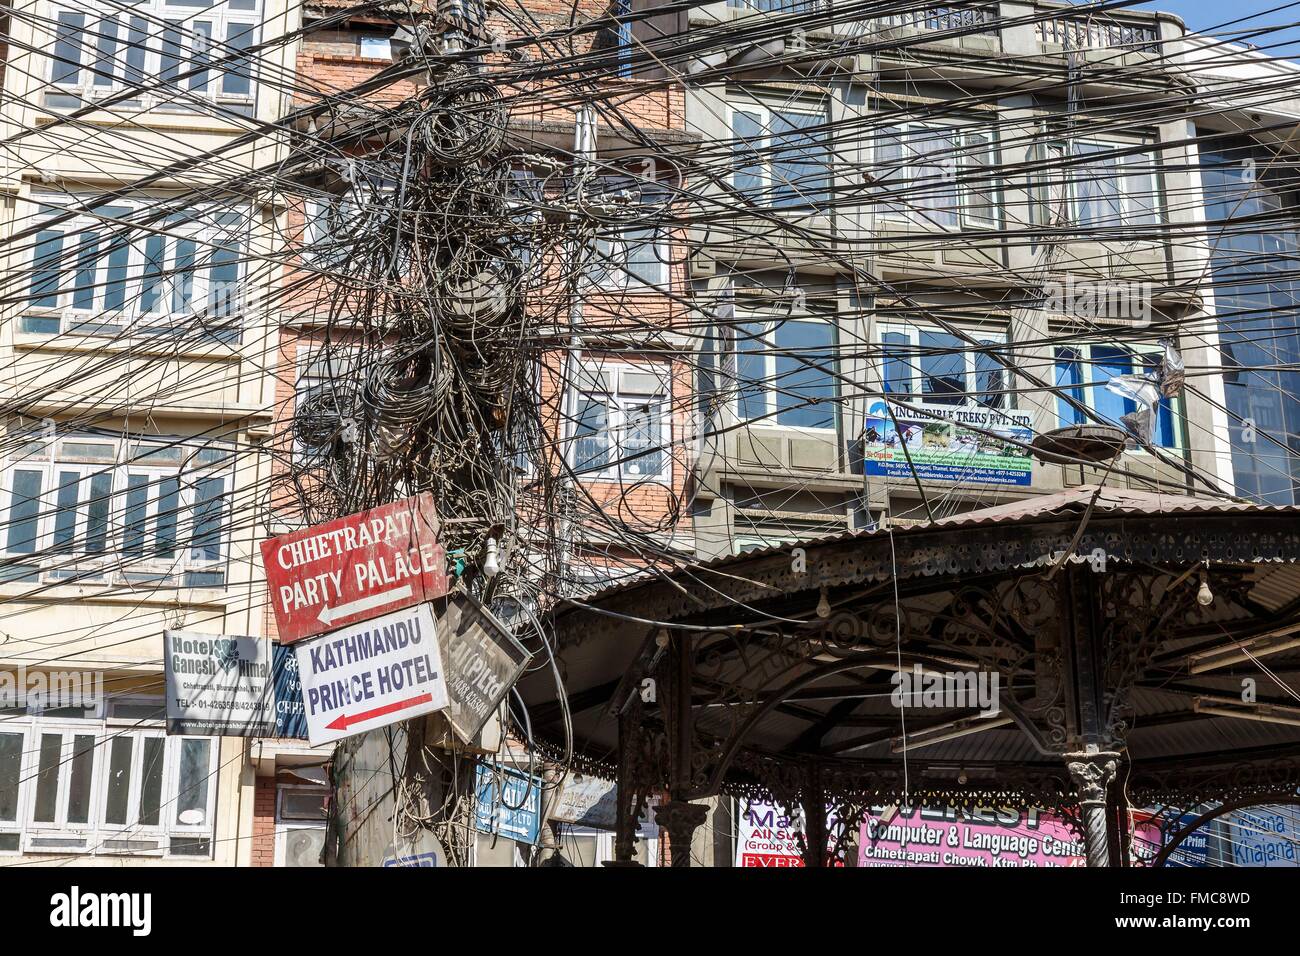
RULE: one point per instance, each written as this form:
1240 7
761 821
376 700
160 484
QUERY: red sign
355 568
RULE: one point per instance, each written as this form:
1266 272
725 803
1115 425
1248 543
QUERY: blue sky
1213 16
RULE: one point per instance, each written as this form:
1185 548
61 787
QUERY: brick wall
264 822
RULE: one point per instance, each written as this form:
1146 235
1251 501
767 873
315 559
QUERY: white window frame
1094 384
771 412
916 395
287 824
80 566
153 17
964 194
96 832
1051 151
764 109
608 382
204 226
611 267
605 841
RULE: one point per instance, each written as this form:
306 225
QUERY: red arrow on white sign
343 721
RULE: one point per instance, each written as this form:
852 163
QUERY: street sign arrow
343 721
328 614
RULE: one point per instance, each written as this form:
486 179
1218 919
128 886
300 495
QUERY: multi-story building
133 338
929 233
973 213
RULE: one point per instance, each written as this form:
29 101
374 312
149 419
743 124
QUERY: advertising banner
944 837
483 662
218 685
1264 836
766 836
942 450
370 675
290 717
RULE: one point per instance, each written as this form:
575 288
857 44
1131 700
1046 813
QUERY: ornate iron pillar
681 819
678 815
814 814
1093 773
627 788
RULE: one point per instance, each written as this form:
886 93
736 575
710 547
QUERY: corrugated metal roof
1104 501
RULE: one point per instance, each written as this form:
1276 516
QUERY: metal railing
947 17
1083 33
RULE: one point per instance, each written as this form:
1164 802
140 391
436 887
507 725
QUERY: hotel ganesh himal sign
355 568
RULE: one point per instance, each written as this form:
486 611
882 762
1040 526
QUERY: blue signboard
509 803
1264 836
1195 848
290 717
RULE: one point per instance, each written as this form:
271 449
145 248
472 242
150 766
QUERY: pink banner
936 836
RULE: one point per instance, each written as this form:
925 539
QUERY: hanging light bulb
1204 596
491 565
823 605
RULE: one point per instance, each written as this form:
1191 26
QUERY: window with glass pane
195 774
134 499
623 432
1112 189
936 367
938 176
11 763
1082 373
804 383
787 373
156 55
781 156
131 268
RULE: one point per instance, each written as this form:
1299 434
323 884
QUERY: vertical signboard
290 717
355 568
483 661
218 685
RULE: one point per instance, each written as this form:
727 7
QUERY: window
632 259
376 48
170 47
782 155
1082 372
786 372
939 176
589 847
103 510
930 366
1103 186
300 831
326 389
101 787
620 423
131 268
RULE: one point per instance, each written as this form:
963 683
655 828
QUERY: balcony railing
1080 33
776 6
950 17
